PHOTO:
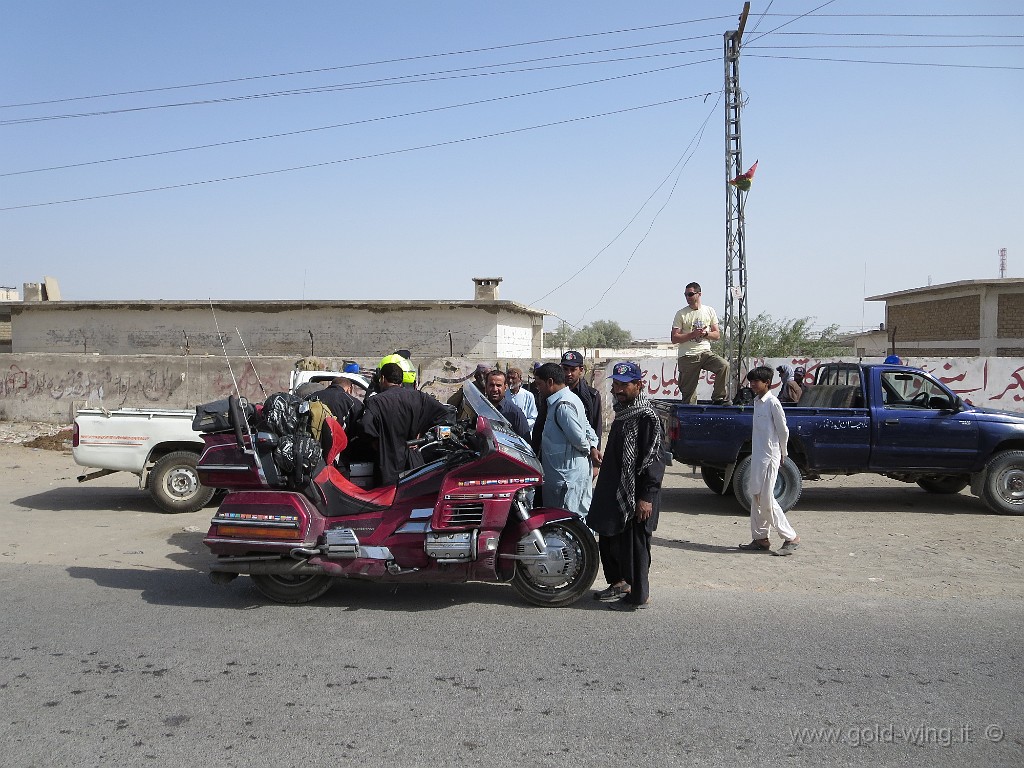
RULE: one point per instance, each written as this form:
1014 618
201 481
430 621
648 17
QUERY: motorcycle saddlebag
212 417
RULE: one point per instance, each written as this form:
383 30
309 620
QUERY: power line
577 273
346 124
398 60
797 18
351 159
887 46
427 77
894 63
897 34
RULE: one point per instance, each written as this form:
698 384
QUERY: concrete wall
352 329
51 387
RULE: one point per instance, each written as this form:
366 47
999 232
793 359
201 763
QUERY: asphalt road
891 638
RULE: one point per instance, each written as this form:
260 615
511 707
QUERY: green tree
600 334
603 333
768 337
562 337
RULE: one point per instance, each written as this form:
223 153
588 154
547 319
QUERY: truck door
915 425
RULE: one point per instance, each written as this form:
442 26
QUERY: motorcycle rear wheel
291 590
568 572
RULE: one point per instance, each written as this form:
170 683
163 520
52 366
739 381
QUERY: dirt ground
861 535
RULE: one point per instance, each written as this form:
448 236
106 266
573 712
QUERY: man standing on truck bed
694 328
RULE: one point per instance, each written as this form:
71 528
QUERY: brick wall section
1010 352
937 351
1011 316
947 320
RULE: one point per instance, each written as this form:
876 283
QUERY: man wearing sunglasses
694 328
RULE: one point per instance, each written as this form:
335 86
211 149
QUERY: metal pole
734 328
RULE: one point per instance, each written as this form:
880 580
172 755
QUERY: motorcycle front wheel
566 573
291 590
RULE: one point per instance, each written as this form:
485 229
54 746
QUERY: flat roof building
968 318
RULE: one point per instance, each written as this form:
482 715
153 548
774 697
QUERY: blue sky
872 177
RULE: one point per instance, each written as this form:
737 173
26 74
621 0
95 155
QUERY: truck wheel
944 483
788 485
714 478
174 484
1004 483
291 590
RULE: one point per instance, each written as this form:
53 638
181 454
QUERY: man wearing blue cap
624 510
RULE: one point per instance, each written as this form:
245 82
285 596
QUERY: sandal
789 546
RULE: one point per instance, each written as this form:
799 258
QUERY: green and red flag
742 181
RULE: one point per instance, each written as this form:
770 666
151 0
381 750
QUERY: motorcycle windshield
506 440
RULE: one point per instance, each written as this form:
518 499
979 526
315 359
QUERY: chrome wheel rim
563 562
181 483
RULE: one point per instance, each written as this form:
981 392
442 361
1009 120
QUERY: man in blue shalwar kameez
568 444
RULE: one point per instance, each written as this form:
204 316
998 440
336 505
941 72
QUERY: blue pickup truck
890 420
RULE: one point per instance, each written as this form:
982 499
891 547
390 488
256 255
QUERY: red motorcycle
462 516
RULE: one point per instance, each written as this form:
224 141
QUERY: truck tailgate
123 440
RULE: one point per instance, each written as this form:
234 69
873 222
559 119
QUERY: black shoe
627 606
611 593
758 545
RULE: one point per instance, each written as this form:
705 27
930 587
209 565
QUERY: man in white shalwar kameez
768 451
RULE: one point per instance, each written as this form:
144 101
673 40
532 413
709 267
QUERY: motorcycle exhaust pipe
263 568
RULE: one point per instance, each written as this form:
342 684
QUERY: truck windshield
905 389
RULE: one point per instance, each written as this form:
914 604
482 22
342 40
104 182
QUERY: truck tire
1004 483
944 483
714 478
788 486
174 484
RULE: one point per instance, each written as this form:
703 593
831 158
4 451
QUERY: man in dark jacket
344 406
394 416
624 511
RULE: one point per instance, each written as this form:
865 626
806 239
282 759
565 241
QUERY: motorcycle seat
343 497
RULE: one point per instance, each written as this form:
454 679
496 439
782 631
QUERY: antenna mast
735 325
1002 263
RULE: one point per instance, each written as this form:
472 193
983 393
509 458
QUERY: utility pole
735 326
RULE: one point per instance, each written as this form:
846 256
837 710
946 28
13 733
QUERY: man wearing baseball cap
624 510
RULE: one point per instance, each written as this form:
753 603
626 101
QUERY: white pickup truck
159 445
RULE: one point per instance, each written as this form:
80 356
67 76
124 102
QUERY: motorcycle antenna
225 348
251 364
234 381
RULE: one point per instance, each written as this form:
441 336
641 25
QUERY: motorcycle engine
451 547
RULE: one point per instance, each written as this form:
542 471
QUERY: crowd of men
560 415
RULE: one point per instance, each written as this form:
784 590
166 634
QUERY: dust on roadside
31 434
